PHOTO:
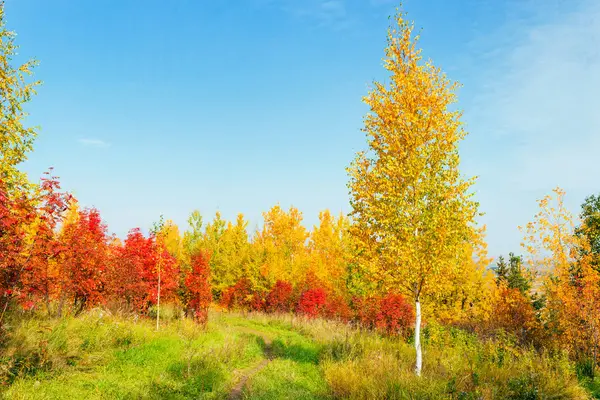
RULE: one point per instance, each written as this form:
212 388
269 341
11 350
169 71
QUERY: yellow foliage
329 250
279 250
15 139
467 292
412 211
172 239
563 262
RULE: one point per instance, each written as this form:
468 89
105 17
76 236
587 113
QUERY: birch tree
412 211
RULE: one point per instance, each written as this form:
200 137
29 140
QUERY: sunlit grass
99 356
106 357
288 379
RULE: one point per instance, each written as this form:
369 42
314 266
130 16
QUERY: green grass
288 379
593 386
98 356
112 359
294 372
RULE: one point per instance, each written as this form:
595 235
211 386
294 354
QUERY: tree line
411 251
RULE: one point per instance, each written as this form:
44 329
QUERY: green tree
513 273
501 270
590 228
516 277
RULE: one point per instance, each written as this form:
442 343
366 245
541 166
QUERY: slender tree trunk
158 302
419 363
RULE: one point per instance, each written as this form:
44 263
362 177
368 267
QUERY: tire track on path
238 390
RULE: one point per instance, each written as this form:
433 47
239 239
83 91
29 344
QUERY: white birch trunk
419 363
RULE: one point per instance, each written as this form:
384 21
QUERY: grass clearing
98 356
109 358
288 379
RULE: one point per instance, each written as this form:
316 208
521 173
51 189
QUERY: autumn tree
280 248
213 244
234 254
163 277
172 239
411 209
280 298
83 261
577 299
238 296
16 213
549 241
513 313
226 244
312 302
563 260
197 283
330 250
44 246
192 238
16 89
464 296
127 281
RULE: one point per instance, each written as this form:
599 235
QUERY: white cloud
537 115
332 14
93 143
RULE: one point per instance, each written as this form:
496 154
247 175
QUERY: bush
257 302
336 307
311 302
197 284
280 298
395 315
391 314
238 296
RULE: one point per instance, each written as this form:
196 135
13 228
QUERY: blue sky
149 109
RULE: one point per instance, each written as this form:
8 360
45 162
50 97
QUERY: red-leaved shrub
336 307
280 297
312 302
391 314
237 296
257 302
127 282
366 310
395 314
197 284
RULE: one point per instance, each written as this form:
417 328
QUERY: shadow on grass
266 346
295 352
593 386
190 381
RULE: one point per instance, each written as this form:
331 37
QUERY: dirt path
238 389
